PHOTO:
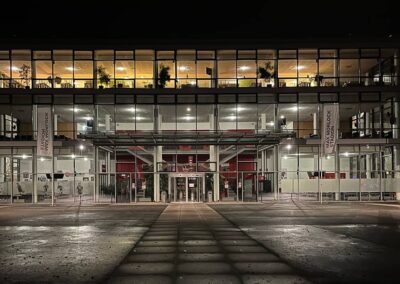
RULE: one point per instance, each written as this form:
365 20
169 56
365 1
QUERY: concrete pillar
263 124
55 127
315 123
214 160
277 126
396 68
368 166
107 122
395 126
34 177
276 162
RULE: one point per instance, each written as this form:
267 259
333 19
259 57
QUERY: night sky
147 20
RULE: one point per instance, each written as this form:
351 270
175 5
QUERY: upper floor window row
197 68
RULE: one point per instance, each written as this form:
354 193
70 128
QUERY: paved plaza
273 242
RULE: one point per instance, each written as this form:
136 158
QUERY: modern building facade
199 123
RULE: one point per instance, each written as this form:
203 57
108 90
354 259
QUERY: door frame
201 196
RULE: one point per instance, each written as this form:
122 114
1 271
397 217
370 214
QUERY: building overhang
165 138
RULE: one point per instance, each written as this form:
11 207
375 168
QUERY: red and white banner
330 127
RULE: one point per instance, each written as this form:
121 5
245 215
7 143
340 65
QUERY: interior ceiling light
183 68
244 68
120 68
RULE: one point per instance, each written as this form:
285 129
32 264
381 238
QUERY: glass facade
198 68
188 144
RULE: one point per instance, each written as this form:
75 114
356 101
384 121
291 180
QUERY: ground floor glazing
79 172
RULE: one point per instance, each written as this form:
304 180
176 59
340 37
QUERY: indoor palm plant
266 73
103 77
163 76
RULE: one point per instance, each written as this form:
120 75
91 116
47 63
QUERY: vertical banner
45 131
329 127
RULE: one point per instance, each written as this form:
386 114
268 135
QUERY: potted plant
266 73
103 76
57 80
50 80
163 76
25 75
318 78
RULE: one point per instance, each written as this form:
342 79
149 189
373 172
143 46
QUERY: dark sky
145 19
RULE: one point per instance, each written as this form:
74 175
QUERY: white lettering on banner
45 132
329 130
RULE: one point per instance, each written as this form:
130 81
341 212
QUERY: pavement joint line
189 223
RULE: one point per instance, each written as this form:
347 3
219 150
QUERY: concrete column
107 122
214 160
368 166
55 124
34 175
396 113
277 126
263 125
276 171
157 159
315 123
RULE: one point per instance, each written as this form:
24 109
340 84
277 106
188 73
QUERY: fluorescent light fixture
188 117
75 109
24 156
85 159
73 156
295 108
183 68
282 116
41 159
120 68
193 83
231 117
346 154
15 68
87 118
289 147
285 157
240 108
70 68
81 147
244 68
188 109
300 67
139 118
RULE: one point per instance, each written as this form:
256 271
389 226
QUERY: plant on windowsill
267 73
318 79
57 80
163 76
24 74
103 76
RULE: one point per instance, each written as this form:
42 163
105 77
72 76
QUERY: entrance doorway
187 188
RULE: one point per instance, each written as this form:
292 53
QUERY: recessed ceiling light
120 68
24 156
41 159
81 147
15 68
188 117
188 109
244 68
70 68
183 68
289 147
300 67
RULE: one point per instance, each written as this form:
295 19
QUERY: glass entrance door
189 188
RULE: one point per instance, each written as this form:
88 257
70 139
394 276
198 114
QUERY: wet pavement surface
68 244
330 243
274 242
192 243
